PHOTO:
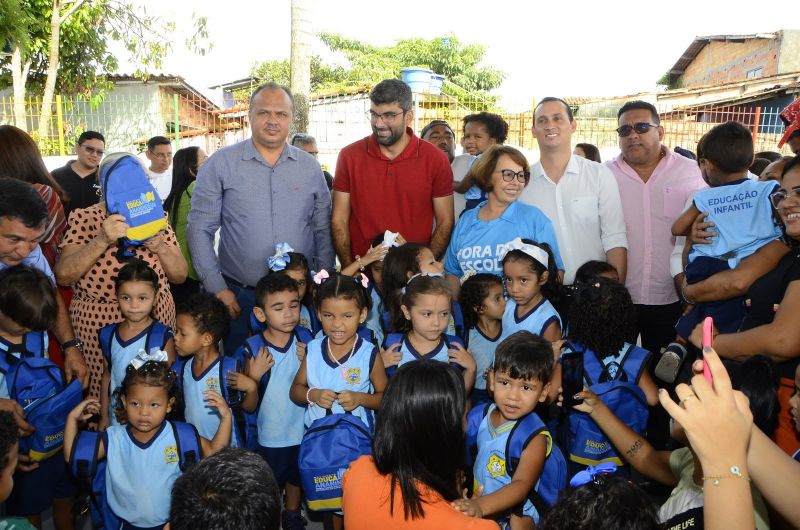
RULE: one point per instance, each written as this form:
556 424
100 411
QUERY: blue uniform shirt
482 349
139 477
476 244
535 321
204 418
742 213
350 373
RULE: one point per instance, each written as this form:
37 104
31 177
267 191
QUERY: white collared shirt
585 209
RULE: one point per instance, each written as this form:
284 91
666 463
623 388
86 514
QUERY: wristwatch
74 343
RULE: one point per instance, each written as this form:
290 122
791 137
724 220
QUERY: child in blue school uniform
295 265
137 290
425 308
202 322
531 280
519 380
28 307
481 298
342 372
272 358
142 457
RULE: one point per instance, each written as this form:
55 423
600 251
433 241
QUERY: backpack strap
234 398
388 340
157 337
458 321
634 362
179 367
593 367
35 343
303 335
83 458
314 322
106 334
521 435
188 442
366 334
474 419
449 340
386 323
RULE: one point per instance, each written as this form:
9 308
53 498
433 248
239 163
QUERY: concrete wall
789 57
726 62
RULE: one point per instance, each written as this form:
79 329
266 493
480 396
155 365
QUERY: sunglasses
639 128
93 151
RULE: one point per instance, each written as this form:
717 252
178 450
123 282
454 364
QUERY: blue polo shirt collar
250 153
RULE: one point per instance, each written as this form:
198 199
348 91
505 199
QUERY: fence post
176 123
756 122
60 122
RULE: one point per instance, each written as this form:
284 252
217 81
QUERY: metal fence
128 119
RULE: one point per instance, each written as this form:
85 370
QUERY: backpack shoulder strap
106 334
458 320
83 458
520 436
34 343
226 364
392 338
188 441
303 335
157 336
634 362
593 367
179 367
474 419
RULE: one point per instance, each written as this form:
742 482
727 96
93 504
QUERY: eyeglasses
94 151
778 196
509 174
640 128
386 116
161 155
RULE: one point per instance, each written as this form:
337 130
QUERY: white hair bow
390 239
156 354
537 253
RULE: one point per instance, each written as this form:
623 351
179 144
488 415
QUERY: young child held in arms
201 324
531 279
519 380
142 457
425 307
481 298
273 358
137 290
741 211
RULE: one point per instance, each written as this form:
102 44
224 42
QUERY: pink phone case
708 342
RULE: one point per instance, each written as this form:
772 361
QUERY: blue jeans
239 330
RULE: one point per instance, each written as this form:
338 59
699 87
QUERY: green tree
65 45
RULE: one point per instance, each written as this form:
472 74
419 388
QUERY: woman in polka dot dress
89 263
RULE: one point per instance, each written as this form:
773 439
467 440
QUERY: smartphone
708 342
571 377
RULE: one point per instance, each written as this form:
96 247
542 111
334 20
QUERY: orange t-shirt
366 504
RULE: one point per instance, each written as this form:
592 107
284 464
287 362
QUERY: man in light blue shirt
259 192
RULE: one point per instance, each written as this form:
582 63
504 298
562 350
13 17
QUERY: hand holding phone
571 377
708 342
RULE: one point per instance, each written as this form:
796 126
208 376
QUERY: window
755 72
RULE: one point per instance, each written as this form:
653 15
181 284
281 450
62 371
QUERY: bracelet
308 393
683 295
360 265
735 473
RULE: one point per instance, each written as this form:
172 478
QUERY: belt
238 284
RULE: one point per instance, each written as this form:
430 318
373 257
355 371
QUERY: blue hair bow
279 260
591 473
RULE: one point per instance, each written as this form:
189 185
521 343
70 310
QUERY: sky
555 48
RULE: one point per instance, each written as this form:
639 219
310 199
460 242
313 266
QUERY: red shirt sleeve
442 176
341 182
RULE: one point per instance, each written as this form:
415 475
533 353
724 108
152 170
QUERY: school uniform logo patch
171 454
353 376
496 466
212 383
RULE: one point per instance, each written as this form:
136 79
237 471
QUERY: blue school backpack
127 191
91 473
227 363
38 385
553 479
393 338
621 394
301 334
328 448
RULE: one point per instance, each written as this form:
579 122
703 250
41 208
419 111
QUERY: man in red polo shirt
391 180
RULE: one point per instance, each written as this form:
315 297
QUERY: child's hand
462 357
374 254
85 410
350 400
322 397
589 403
25 464
301 351
400 239
261 363
239 381
214 400
557 345
469 506
391 356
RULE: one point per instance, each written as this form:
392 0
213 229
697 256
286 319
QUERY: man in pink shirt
654 184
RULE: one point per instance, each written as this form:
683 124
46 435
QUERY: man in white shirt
580 196
159 153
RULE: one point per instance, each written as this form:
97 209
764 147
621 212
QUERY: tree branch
71 10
